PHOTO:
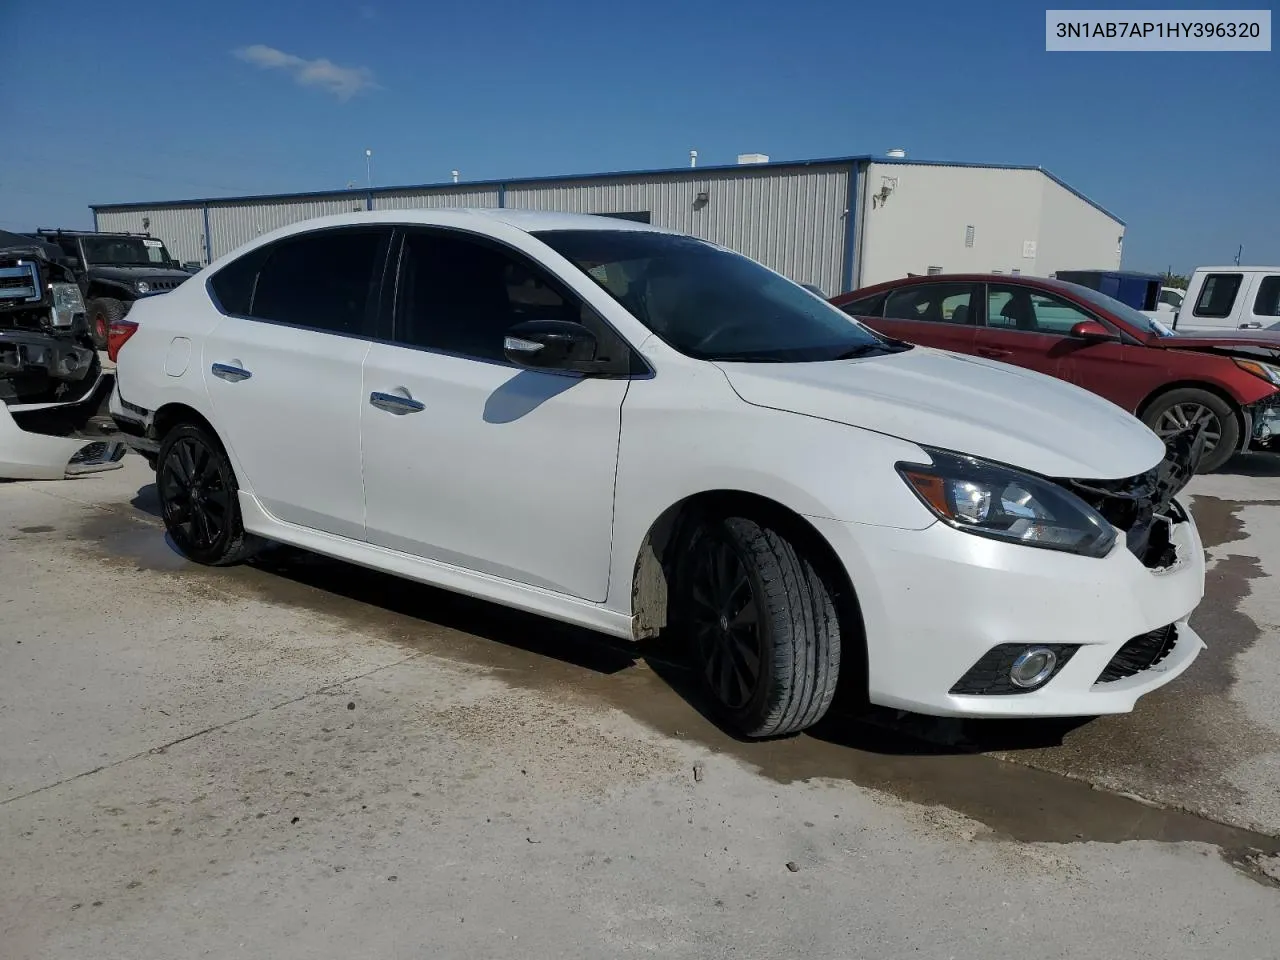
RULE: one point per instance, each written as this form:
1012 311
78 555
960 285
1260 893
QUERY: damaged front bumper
56 440
946 614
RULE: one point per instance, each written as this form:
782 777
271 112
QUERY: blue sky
172 100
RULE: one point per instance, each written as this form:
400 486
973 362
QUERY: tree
1175 280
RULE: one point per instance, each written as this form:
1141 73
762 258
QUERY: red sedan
1230 383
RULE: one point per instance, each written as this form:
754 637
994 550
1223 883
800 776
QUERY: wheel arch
1220 392
653 567
174 414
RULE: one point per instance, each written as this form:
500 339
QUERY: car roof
1047 283
1234 269
529 221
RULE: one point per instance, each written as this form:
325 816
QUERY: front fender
675 447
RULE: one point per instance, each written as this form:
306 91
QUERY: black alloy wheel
198 498
725 617
762 622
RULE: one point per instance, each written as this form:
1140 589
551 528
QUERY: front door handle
230 372
1251 325
394 403
992 353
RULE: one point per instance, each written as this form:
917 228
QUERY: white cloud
343 82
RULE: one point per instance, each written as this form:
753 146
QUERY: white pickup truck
1231 298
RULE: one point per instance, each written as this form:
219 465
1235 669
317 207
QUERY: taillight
118 334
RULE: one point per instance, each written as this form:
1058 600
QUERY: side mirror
1092 330
551 345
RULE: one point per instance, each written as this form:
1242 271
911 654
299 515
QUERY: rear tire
764 627
199 499
102 313
1174 410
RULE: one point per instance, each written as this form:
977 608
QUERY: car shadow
1260 463
848 723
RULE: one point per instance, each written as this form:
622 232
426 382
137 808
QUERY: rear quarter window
233 285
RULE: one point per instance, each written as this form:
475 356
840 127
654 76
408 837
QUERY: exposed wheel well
173 414
98 292
1218 392
654 567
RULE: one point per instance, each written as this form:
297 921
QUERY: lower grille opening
990 675
1141 653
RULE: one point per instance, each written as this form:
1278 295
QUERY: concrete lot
303 759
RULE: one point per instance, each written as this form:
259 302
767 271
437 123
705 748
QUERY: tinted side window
1012 307
321 280
1218 294
937 302
233 284
1267 302
866 307
462 296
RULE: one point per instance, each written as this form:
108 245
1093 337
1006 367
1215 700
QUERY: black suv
116 269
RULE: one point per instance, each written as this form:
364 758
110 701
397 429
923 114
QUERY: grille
990 675
1141 653
157 285
20 283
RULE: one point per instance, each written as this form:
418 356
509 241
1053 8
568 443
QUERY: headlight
143 286
1005 504
1266 371
67 302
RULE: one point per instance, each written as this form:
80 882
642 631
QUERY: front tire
199 498
764 626
1178 409
102 313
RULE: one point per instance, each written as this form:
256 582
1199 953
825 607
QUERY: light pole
368 166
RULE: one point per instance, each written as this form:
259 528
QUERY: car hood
965 404
132 274
1263 344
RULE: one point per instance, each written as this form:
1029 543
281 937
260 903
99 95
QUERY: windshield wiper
864 349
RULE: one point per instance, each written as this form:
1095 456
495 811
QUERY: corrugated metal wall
181 228
233 224
436 197
790 220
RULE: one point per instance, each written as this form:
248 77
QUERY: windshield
126 252
1122 310
713 304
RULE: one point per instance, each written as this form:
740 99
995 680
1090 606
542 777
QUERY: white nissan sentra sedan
632 430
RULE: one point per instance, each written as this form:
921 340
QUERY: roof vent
897 153
753 158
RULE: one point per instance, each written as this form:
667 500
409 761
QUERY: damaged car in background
53 421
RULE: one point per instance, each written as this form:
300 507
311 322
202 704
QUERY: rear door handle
993 353
1251 325
230 372
394 403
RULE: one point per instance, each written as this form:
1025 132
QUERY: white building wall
923 220
180 228
1075 235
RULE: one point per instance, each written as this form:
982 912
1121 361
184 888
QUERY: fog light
1032 667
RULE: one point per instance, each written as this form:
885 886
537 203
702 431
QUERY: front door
470 460
283 369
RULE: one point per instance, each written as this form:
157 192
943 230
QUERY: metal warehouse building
836 223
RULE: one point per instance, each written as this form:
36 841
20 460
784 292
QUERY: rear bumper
54 441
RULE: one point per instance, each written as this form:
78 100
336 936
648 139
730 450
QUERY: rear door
283 368
939 314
